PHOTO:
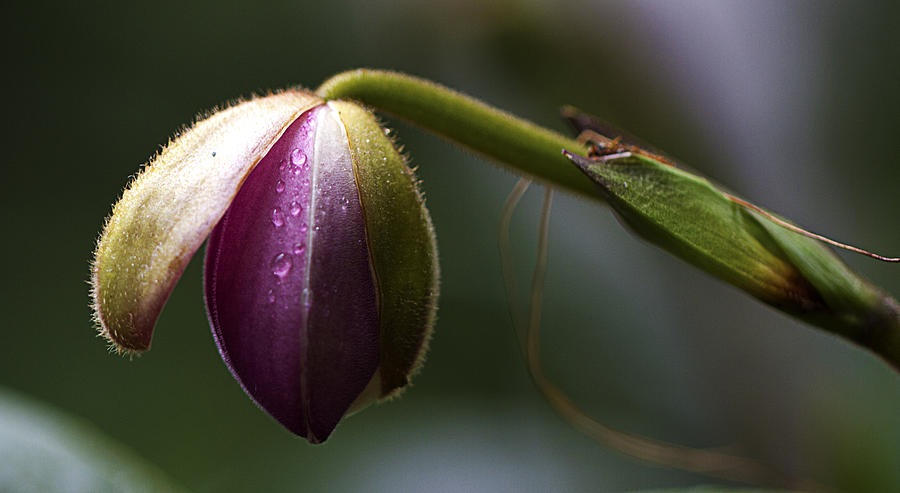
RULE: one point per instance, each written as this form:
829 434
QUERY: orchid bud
321 266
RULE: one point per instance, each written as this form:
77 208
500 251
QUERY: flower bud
321 267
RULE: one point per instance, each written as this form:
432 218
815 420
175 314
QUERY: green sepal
402 244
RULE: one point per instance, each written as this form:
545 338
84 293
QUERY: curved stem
495 134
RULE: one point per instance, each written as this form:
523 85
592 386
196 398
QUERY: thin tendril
509 275
706 462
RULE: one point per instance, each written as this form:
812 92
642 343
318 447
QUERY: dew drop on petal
299 248
271 296
279 186
297 157
281 264
303 228
277 217
295 208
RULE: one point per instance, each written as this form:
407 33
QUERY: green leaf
44 450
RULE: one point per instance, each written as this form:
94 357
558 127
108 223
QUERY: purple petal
289 286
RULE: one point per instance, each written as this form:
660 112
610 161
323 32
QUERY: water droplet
277 217
271 296
299 248
295 208
281 264
344 207
297 157
279 186
305 183
283 165
303 228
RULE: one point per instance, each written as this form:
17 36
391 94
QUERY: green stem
495 134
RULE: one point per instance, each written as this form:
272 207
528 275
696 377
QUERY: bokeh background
791 104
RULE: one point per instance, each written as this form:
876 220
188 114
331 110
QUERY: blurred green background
793 105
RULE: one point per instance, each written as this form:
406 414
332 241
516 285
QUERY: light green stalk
497 135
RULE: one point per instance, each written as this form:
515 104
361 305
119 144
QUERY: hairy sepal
169 209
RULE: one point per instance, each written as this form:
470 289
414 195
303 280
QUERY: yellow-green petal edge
170 208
